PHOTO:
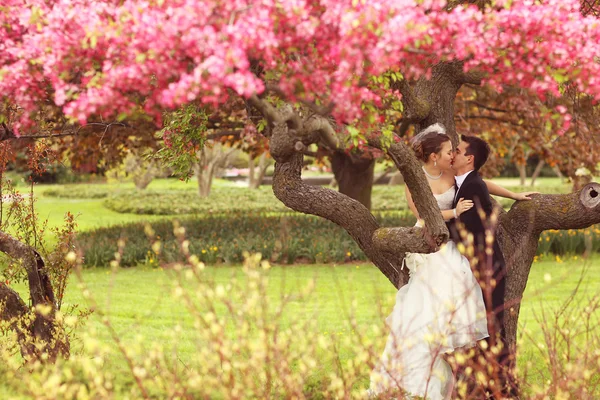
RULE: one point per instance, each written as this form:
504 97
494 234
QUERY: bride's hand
463 205
524 195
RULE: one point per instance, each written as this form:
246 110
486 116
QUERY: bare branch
266 109
317 109
9 134
472 77
486 107
323 127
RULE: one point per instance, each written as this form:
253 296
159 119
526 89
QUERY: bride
441 307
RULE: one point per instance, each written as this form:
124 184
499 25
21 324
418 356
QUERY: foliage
183 136
51 276
280 237
315 332
107 59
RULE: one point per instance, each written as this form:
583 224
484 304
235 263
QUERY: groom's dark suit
490 270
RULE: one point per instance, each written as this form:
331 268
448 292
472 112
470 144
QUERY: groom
489 269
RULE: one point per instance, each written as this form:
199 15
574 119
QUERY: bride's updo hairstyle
429 141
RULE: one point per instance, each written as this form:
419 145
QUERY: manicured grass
91 213
138 302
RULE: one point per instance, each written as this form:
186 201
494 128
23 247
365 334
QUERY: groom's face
460 160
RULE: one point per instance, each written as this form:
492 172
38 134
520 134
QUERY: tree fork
519 231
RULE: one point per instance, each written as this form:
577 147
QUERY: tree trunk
255 177
354 176
204 173
519 231
522 174
209 159
536 172
558 173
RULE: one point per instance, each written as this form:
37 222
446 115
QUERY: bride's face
445 157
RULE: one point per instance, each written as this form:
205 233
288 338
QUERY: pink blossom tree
333 72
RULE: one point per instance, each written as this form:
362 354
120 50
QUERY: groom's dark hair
478 148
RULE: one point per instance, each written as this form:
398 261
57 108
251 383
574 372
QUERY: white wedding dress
440 309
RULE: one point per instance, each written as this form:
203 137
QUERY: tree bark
354 176
429 101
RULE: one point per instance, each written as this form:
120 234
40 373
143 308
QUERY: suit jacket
490 270
475 189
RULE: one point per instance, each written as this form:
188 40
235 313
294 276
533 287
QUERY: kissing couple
451 305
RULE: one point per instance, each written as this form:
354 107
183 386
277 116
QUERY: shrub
80 191
248 342
177 202
569 242
283 238
223 199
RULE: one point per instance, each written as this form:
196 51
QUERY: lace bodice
446 199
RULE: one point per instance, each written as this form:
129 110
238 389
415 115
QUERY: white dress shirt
461 179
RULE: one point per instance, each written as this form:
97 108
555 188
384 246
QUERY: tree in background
521 126
323 72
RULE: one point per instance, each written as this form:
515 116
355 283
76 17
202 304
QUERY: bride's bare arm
462 206
498 190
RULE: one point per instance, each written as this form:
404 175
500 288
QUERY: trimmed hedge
284 238
175 202
83 191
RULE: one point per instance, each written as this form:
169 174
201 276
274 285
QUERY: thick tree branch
266 109
402 240
416 108
472 77
419 189
565 211
519 231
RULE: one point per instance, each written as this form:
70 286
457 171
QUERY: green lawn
139 304
91 213
138 301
